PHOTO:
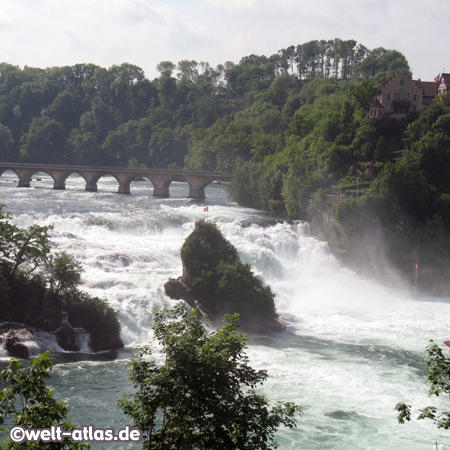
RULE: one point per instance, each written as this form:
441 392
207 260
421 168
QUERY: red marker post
417 270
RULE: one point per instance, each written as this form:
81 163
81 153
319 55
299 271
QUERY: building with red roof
401 96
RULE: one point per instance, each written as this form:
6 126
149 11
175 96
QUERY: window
402 82
402 95
389 97
414 98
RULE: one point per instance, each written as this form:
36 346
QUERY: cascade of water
353 348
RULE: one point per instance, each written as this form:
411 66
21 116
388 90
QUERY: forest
293 128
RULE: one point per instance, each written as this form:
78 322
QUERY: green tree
429 138
202 396
67 108
22 248
27 400
44 141
84 149
8 148
438 376
166 68
64 273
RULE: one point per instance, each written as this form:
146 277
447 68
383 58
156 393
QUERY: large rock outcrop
216 282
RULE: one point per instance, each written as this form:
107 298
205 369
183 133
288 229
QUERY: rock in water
216 282
14 347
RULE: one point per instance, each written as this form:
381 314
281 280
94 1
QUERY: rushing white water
352 350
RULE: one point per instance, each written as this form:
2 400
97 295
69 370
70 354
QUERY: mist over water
352 349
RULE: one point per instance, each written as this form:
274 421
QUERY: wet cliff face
217 282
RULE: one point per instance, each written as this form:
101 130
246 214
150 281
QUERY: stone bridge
160 178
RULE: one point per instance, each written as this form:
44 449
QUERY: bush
99 319
202 397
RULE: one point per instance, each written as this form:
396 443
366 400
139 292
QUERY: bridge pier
160 179
161 183
59 178
197 185
23 183
24 177
197 193
91 177
124 189
124 183
91 187
160 191
60 185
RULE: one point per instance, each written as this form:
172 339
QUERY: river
352 350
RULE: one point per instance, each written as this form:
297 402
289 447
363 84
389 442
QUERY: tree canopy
203 394
90 115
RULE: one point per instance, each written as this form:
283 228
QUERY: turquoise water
352 350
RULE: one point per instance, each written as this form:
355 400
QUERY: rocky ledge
216 282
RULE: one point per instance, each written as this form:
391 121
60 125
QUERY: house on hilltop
444 83
401 96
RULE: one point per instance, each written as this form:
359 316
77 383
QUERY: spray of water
353 347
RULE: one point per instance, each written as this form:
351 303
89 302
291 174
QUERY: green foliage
409 193
25 297
5 297
404 184
44 141
64 273
382 64
438 376
22 248
429 138
89 115
238 290
97 317
8 148
205 248
222 282
27 400
202 396
258 184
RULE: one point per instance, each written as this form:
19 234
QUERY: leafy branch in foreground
438 376
202 396
27 400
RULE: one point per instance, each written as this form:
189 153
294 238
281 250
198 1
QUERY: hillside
294 128
90 115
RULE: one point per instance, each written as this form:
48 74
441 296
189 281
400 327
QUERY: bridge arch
63 180
141 183
13 175
160 179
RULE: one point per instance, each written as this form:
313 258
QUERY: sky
47 33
